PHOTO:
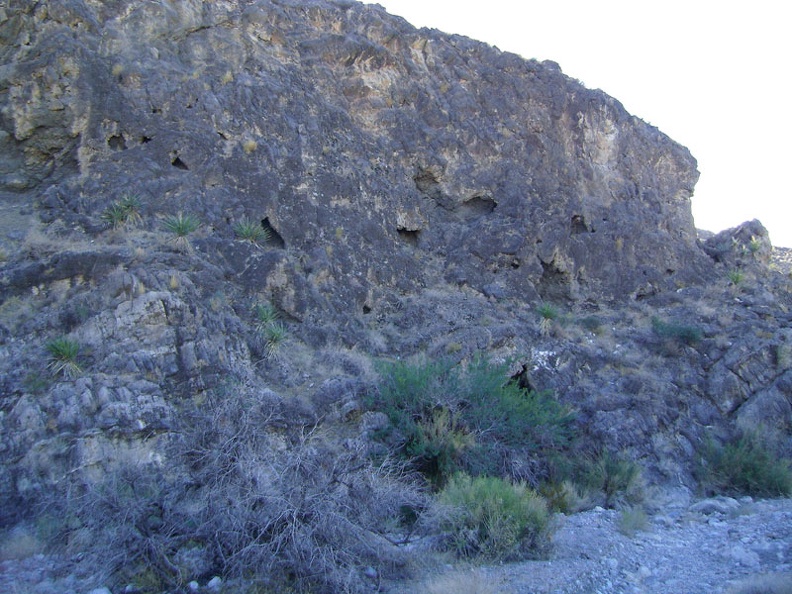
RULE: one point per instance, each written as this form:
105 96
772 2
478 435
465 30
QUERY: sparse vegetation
681 333
63 354
270 330
746 465
251 231
632 519
493 518
124 212
736 277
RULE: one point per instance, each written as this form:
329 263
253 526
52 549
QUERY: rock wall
384 158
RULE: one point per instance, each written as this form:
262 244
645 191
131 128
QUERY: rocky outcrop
383 158
420 193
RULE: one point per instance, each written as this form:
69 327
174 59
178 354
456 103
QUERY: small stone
100 591
193 586
214 584
371 573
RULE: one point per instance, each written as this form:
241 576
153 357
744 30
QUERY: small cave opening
179 164
366 309
579 225
409 236
555 284
475 208
145 139
116 142
275 238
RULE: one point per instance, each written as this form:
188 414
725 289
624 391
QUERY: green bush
446 418
63 354
615 478
688 335
746 465
492 518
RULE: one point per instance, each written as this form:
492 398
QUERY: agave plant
248 230
181 225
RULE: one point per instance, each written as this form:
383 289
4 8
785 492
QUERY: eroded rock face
384 158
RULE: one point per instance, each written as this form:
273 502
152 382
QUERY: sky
711 75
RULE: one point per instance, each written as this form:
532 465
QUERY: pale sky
714 76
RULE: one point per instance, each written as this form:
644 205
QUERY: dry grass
773 583
460 582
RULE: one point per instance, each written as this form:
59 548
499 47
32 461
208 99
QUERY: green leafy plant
265 315
688 335
736 277
63 354
271 332
251 231
746 465
493 518
124 212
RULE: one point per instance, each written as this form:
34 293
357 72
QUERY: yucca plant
124 212
274 335
181 225
265 314
251 231
63 354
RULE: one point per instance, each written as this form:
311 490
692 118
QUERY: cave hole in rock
366 309
145 139
579 225
116 142
475 208
555 283
427 184
179 164
409 236
275 238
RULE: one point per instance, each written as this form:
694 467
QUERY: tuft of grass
773 583
63 354
746 465
548 312
632 519
248 230
616 479
492 518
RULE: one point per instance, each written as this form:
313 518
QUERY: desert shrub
63 353
617 478
251 231
565 496
746 465
499 409
257 497
446 418
548 312
600 478
681 333
492 518
632 519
